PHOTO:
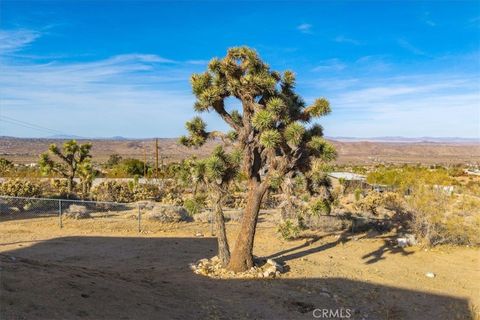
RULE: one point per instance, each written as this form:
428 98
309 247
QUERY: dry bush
20 188
326 223
75 211
59 188
146 192
164 213
439 218
371 203
113 191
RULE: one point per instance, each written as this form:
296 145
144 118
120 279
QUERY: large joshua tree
71 158
270 129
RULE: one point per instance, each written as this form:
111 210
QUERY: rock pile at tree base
214 269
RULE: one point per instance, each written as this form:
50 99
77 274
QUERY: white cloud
130 95
15 40
415 105
330 65
410 47
305 28
343 39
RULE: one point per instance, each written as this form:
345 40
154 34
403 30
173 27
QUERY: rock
274 263
199 234
165 213
270 272
75 211
402 242
411 241
430 275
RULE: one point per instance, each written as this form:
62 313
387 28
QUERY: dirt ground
105 269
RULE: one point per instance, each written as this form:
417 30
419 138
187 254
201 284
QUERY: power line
29 125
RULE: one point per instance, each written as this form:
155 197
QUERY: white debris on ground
213 268
430 275
406 240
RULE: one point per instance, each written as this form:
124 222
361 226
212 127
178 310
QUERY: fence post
60 213
139 218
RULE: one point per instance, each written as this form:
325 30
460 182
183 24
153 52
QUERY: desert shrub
59 188
370 203
437 220
407 177
75 211
113 160
358 194
128 168
195 205
20 188
113 191
204 216
145 192
6 166
289 229
393 201
326 223
164 213
320 207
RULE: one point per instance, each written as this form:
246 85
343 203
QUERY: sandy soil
104 269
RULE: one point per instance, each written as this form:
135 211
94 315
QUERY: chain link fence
73 212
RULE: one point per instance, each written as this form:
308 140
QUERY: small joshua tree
217 172
86 173
70 159
269 129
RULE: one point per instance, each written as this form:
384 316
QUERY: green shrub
320 207
128 168
358 194
194 205
289 230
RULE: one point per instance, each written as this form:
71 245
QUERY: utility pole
144 162
156 158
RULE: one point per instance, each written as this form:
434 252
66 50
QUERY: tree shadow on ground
149 278
388 246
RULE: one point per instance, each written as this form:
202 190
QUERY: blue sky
120 68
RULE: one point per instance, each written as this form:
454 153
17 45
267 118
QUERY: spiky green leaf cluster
321 148
263 119
294 133
197 134
320 107
270 138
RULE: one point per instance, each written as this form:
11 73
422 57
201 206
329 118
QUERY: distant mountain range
409 139
393 139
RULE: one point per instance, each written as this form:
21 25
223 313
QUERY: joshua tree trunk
242 257
223 248
70 184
